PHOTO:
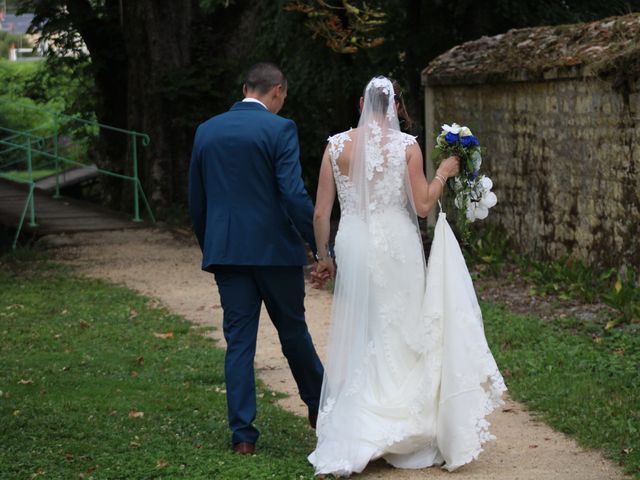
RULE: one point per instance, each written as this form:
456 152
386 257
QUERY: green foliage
7 38
492 252
94 385
15 75
52 86
347 27
582 383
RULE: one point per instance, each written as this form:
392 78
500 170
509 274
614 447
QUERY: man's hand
322 272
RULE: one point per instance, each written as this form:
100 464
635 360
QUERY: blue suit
250 213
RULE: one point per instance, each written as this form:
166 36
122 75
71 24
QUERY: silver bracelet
319 258
440 178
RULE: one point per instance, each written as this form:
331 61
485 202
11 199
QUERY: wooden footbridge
35 205
56 215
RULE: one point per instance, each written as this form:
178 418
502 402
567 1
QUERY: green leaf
618 286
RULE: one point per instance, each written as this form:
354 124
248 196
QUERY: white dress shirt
249 99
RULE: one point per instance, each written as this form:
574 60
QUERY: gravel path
165 265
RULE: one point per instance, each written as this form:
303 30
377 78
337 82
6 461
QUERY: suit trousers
242 291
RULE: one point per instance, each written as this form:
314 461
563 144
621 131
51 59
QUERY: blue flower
469 141
475 174
452 138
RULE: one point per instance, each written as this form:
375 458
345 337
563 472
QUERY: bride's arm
322 215
425 194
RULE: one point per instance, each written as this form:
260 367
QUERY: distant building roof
565 51
16 23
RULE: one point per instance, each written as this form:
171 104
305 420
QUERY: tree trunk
157 36
103 37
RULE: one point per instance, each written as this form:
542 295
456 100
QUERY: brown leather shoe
313 419
244 448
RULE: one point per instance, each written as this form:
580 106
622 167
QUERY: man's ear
244 89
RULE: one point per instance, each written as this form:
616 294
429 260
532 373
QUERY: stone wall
564 155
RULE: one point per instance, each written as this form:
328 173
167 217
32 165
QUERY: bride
409 376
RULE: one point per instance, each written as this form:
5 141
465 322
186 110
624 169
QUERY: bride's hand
450 167
323 271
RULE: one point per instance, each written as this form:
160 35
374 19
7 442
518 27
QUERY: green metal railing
21 147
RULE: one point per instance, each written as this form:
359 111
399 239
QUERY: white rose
465 132
489 200
453 128
440 141
481 212
486 183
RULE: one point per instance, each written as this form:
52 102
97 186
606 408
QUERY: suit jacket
247 200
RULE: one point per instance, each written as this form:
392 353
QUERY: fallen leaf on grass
134 445
89 471
162 463
134 374
136 414
140 360
163 335
133 313
84 324
68 456
25 382
15 306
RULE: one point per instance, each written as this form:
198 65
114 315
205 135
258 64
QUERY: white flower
471 214
476 158
454 128
440 141
488 200
465 132
486 183
481 212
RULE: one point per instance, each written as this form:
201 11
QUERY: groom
251 212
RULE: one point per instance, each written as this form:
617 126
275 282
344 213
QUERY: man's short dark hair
263 76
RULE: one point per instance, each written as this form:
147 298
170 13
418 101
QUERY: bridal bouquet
472 192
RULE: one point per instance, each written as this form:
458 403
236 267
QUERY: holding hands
323 270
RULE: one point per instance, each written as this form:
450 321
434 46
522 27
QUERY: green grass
23 176
80 356
583 380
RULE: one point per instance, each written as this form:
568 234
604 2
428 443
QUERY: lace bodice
385 170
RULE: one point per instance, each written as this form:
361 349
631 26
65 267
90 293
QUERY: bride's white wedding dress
409 376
